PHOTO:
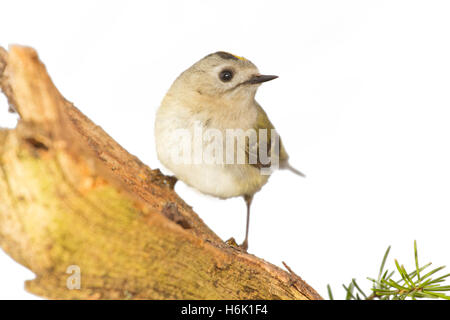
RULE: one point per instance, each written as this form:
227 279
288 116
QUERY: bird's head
223 75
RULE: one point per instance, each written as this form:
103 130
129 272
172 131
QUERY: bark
70 195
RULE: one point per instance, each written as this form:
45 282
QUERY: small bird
217 95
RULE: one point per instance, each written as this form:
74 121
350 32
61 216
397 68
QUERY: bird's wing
252 150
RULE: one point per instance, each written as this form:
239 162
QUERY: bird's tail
292 169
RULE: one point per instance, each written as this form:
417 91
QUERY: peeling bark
70 195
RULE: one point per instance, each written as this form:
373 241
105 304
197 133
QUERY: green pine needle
410 285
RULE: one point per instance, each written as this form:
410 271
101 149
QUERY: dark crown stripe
226 55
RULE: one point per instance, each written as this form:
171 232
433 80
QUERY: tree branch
70 195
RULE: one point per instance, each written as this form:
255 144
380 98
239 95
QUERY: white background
362 104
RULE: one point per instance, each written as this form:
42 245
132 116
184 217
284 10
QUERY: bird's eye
226 75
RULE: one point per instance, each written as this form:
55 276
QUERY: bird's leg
248 200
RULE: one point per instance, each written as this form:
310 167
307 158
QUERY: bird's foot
232 243
244 245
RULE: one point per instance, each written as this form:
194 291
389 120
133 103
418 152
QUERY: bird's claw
232 243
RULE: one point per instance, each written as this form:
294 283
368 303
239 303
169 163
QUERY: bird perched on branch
214 136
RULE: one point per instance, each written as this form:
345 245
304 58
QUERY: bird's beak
260 78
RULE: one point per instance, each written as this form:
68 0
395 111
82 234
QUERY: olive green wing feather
253 149
264 142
